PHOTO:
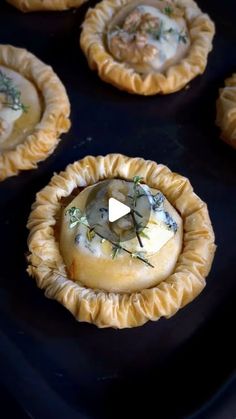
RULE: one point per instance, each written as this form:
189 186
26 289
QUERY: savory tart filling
20 108
98 261
148 35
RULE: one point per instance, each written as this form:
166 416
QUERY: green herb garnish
182 37
116 248
168 11
12 94
90 234
136 228
76 217
140 256
156 33
136 180
144 235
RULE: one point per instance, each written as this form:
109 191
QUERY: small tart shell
226 111
113 309
55 119
201 30
36 5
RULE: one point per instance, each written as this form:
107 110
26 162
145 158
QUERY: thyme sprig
156 33
182 37
12 94
168 11
136 228
140 255
160 32
90 234
76 217
136 191
116 250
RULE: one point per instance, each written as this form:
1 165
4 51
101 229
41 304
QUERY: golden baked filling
147 264
149 36
102 258
20 108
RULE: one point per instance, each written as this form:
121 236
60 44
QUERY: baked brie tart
147 46
226 111
34 110
122 272
37 5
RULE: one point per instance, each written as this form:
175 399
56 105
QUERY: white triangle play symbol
116 210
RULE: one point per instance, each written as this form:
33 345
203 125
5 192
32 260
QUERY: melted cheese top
168 44
91 261
15 125
157 231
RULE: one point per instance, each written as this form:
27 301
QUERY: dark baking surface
52 366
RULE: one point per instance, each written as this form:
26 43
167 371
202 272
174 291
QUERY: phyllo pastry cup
110 284
147 46
226 111
34 110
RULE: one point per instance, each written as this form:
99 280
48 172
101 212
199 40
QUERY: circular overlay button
107 203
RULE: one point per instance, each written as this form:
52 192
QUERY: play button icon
117 210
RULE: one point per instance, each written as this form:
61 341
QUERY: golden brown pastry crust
54 121
201 30
36 5
226 111
112 309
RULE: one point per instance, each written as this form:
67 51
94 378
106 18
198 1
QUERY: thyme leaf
141 256
168 11
182 37
137 180
156 32
116 248
90 234
76 217
136 228
144 235
11 93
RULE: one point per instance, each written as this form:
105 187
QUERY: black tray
50 364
